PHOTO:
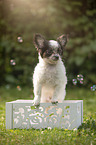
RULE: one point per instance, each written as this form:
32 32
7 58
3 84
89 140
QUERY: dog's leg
59 94
37 93
55 94
62 93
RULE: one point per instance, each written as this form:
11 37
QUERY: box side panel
65 115
76 114
82 111
73 116
9 115
79 114
22 114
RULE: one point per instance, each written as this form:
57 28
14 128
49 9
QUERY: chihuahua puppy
49 78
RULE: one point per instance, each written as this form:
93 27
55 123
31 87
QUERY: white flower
42 132
75 129
49 128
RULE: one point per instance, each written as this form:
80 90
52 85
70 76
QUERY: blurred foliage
51 18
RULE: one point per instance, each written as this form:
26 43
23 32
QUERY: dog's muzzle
55 57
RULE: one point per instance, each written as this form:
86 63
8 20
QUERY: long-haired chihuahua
49 78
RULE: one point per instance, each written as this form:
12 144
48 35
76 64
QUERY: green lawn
85 135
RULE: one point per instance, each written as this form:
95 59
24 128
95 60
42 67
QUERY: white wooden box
23 114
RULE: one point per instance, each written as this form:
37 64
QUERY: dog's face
50 50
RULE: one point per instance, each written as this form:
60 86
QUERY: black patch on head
40 43
51 49
45 49
47 53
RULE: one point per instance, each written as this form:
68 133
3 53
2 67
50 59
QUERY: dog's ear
39 41
62 40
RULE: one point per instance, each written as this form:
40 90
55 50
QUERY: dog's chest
50 75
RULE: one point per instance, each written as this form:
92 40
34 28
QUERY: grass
85 135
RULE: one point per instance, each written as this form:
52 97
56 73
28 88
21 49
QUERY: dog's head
51 50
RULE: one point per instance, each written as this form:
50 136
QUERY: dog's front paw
54 101
36 102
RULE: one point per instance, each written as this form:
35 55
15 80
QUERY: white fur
49 81
54 43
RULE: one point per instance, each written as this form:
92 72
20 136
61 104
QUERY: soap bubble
93 88
20 39
74 81
80 78
81 82
12 62
18 88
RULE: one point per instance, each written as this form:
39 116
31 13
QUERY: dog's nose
56 57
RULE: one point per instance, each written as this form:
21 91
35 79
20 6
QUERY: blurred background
21 19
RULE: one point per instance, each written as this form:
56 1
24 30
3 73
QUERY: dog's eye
48 52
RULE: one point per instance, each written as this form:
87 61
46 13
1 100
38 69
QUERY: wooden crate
23 114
